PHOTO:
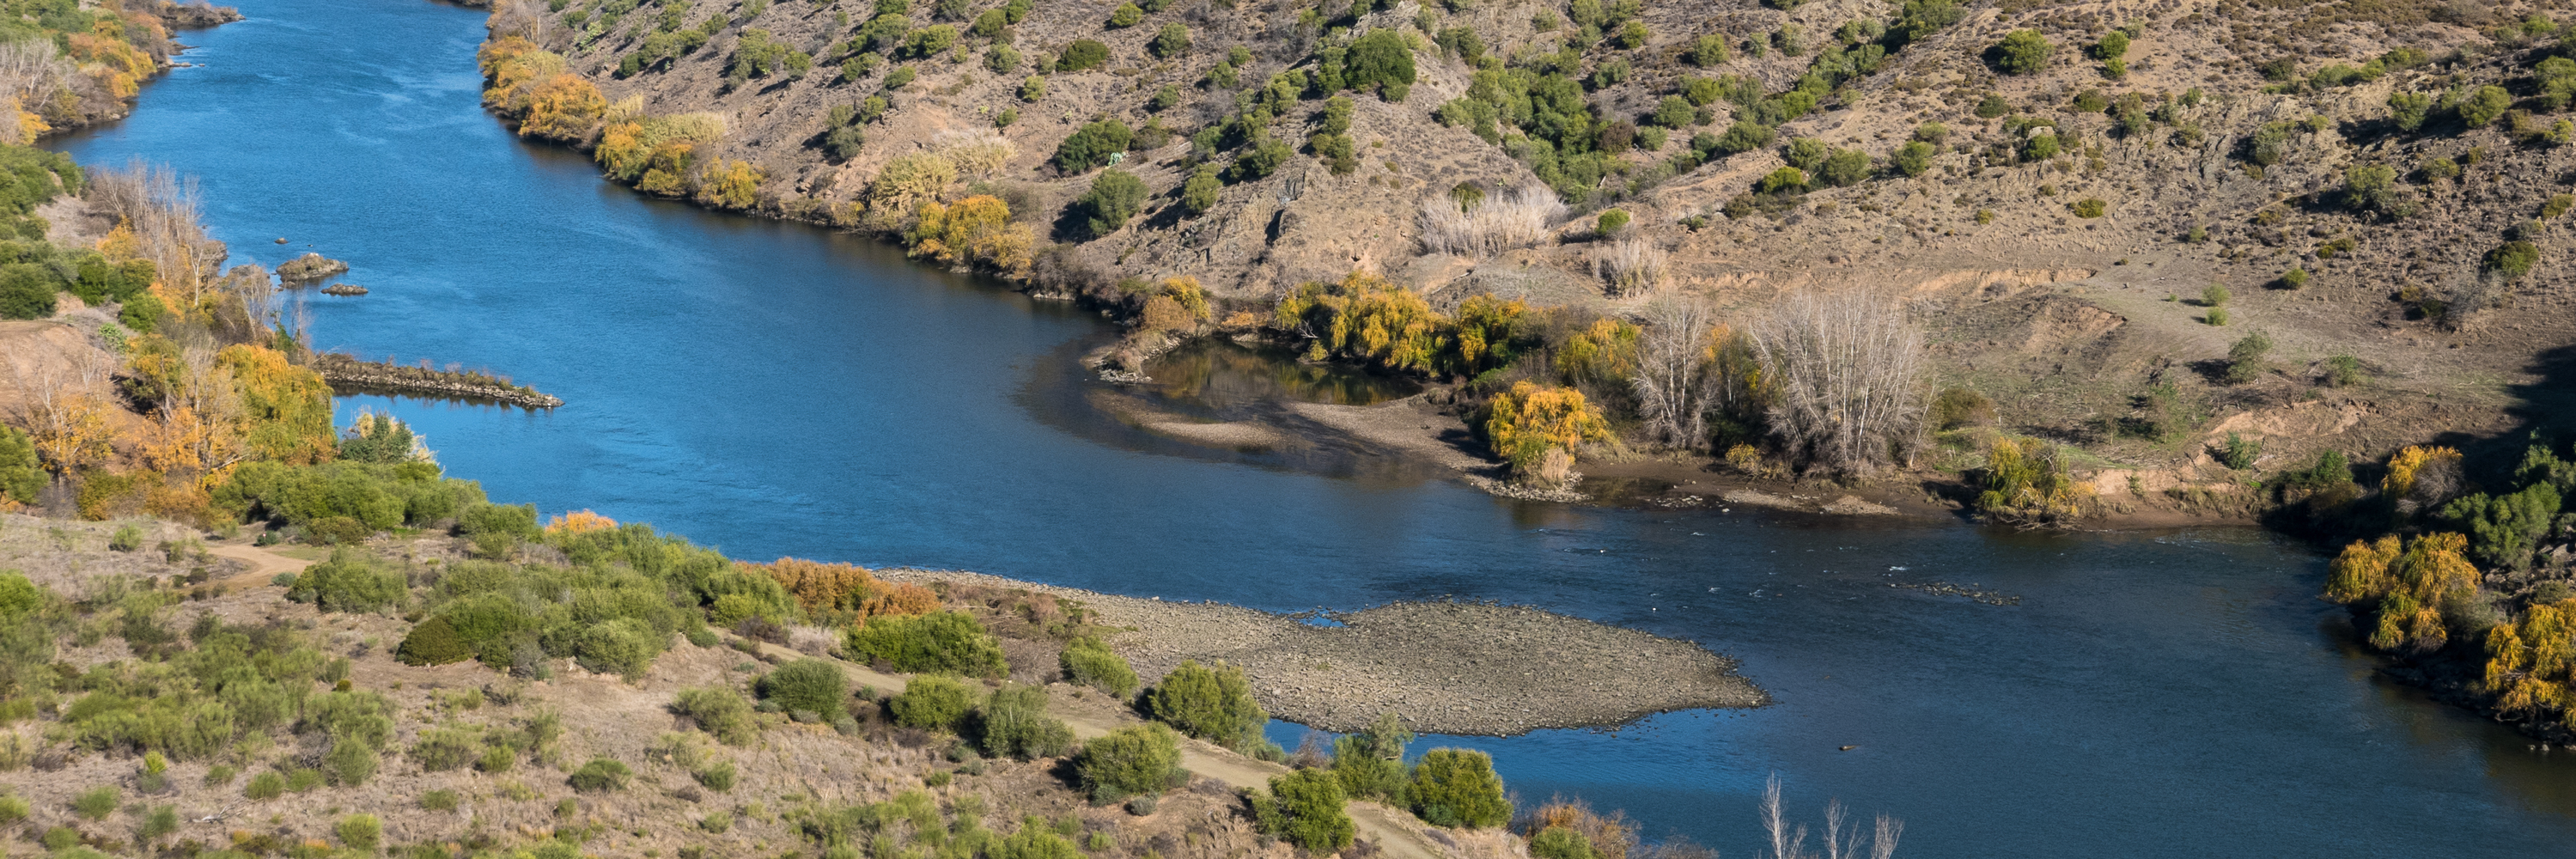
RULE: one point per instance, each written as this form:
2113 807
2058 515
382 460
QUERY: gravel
1444 667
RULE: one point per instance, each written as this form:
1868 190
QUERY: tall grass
1631 265
1512 220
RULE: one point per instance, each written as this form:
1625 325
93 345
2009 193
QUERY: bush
1960 407
1083 54
934 702
1846 167
1370 763
2513 259
2214 295
349 582
1115 197
267 785
2021 52
1913 158
717 777
1134 760
720 711
126 539
1034 841
813 685
351 761
439 749
2245 358
2343 371
1214 704
1126 15
1015 724
2088 208
2484 106
439 800
2239 452
1092 145
1457 787
1610 222
433 642
160 823
945 642
1172 41
1091 663
13 810
96 803
1200 193
1381 60
600 775
361 832
1557 842
2217 316
1305 808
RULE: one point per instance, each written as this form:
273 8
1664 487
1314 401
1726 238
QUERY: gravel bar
1445 667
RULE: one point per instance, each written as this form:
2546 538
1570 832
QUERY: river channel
776 389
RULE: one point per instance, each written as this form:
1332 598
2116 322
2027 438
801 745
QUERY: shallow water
776 389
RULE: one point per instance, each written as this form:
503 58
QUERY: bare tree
1882 843
1786 842
161 208
1846 369
1675 363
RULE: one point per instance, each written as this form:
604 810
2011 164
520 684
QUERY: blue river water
776 389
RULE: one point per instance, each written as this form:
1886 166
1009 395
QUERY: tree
1683 369
1081 55
2504 530
1381 58
2484 105
1526 423
2513 259
1305 808
22 474
1126 15
2021 52
1675 112
1371 763
2372 188
1845 371
1115 197
1214 704
2245 358
433 642
1172 41
1846 167
1199 194
1913 158
1708 51
1458 787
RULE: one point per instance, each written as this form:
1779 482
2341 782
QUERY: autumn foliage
822 587
1367 318
533 88
579 522
1529 421
973 231
2530 664
2404 584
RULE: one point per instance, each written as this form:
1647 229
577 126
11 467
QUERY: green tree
1675 112
1199 194
1092 145
433 642
1115 196
1305 808
2513 259
1371 763
22 474
1214 704
2021 52
1846 167
1913 158
1083 54
813 685
1381 58
1131 761
1126 15
2504 530
1458 787
2245 357
2484 105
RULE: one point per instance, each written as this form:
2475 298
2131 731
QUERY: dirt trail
1382 826
264 564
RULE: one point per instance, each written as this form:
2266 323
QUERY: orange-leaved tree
2405 585
824 587
579 522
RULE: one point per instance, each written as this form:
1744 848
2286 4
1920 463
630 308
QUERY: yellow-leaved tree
1530 425
1485 331
2028 486
976 231
1366 317
2405 585
2530 664
288 407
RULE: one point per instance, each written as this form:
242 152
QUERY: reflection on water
1224 376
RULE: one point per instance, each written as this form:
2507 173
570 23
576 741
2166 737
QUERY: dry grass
1516 219
976 153
1631 265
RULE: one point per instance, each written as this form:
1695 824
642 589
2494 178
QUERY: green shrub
1457 787
1115 196
1126 15
126 539
1033 842
2484 105
2217 316
433 642
1214 704
2245 358
932 702
1172 41
1370 763
61 838
2294 278
350 581
2343 371
717 777
220 775
1083 54
96 803
443 749
1137 759
267 785
1380 59
1200 193
13 810
21 473
2021 52
943 641
2090 207
1305 808
2239 452
516 520
600 775
439 800
2513 259
1558 842
1091 663
1092 145
720 711
1260 159
303 779
351 761
362 832
1610 222
1913 158
1845 168
1015 724
813 685
2214 295
159 823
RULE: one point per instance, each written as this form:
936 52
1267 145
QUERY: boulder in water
344 289
310 267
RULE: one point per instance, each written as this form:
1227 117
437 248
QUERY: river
776 389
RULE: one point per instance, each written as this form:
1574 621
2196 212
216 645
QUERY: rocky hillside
2054 186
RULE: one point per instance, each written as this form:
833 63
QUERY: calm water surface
775 390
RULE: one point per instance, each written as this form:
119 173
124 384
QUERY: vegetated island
1445 667
347 372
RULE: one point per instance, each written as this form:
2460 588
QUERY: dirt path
1385 827
264 564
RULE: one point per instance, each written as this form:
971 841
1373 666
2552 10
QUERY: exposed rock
309 268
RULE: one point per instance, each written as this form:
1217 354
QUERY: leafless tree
1882 843
161 208
1675 365
1842 834
32 70
1786 842
1846 370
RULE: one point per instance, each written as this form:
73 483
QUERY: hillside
2055 226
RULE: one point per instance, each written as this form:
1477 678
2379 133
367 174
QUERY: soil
1464 668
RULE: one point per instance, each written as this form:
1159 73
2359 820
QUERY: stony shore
1445 667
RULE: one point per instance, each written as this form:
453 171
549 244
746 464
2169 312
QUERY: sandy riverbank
1449 668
